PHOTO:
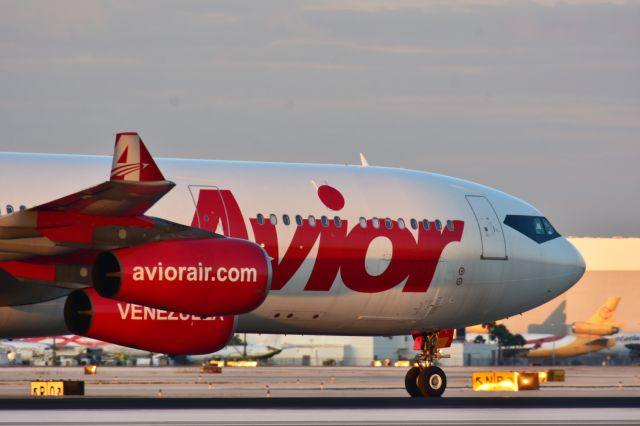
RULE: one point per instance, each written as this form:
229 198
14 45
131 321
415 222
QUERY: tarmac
313 395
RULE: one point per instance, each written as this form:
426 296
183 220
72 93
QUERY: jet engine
222 276
594 329
88 314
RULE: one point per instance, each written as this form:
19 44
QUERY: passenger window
388 223
375 222
9 209
312 220
337 221
285 219
206 218
299 220
425 224
273 219
325 221
414 224
401 223
260 218
23 208
450 225
363 222
438 225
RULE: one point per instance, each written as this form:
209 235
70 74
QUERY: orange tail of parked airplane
589 336
601 322
605 313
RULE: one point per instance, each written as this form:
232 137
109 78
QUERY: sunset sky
540 99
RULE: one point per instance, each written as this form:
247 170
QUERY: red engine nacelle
221 276
154 330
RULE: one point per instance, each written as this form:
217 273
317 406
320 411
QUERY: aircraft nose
568 264
581 266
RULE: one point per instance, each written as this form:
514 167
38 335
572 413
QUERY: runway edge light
528 381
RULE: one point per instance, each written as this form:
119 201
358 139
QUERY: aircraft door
491 234
210 209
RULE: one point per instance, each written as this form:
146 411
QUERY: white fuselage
627 345
492 272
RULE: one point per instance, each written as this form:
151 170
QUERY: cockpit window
548 228
537 228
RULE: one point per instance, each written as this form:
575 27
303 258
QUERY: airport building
613 269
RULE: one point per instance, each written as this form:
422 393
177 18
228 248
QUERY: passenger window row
363 222
9 208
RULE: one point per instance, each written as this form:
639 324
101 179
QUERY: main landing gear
425 379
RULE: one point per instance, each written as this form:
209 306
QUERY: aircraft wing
54 244
111 198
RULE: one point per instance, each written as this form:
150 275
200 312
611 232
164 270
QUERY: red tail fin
132 161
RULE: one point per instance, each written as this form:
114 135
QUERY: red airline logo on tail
132 161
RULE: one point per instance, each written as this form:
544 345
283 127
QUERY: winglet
132 161
363 161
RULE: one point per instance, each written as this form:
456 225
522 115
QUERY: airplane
19 352
74 346
270 248
248 352
627 345
588 336
474 330
537 332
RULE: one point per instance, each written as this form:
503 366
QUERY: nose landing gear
425 379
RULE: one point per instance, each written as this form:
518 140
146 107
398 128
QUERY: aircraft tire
411 382
432 382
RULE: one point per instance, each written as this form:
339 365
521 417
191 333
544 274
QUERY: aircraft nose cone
571 263
580 265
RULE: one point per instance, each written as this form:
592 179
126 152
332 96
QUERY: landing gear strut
425 379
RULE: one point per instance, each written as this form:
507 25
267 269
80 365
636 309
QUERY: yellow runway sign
47 388
57 388
504 381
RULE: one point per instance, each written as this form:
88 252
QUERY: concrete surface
234 382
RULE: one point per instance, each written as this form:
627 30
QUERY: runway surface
326 403
312 396
322 411
312 382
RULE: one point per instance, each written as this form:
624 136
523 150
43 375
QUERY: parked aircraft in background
626 345
474 330
19 352
244 352
73 346
265 248
588 336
